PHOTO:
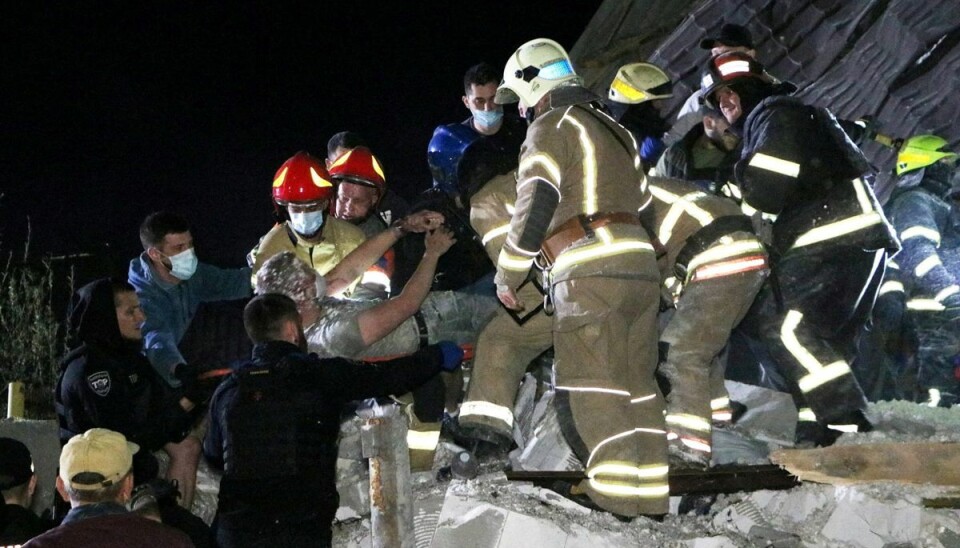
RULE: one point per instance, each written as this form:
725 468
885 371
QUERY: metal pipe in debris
384 439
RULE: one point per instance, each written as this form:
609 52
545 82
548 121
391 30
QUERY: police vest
276 428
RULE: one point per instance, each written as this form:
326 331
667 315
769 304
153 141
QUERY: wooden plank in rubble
923 463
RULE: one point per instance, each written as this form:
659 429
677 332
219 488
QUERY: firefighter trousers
608 402
809 316
706 313
504 350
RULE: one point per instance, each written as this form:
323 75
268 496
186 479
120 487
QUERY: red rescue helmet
360 166
302 180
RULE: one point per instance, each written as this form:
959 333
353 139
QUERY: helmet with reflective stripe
729 68
360 166
302 180
445 152
533 70
639 82
921 151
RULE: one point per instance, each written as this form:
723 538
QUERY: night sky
112 110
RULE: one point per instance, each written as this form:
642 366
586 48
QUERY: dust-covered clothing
928 225
713 267
505 347
444 316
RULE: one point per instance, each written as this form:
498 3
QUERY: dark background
112 110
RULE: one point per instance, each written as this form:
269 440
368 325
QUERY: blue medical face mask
184 264
306 223
487 118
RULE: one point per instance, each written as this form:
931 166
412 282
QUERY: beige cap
96 459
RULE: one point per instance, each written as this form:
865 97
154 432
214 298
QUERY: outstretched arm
360 259
377 322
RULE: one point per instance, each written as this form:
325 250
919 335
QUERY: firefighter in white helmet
579 192
635 99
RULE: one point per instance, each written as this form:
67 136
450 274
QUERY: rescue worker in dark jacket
274 427
106 382
828 245
924 211
579 193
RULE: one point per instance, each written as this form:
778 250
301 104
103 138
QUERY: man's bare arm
360 259
378 321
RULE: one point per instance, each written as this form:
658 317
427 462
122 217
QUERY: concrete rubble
490 511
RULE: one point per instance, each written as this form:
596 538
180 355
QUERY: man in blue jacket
171 283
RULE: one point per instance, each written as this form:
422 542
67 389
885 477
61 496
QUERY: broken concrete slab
545 448
770 416
863 521
466 522
710 542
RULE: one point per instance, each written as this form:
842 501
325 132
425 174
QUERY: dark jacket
106 382
679 162
274 427
109 525
466 262
19 524
929 228
798 163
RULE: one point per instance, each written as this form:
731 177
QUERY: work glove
452 355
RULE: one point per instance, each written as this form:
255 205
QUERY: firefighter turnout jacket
829 242
579 191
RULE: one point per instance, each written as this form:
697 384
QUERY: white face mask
487 118
184 264
306 223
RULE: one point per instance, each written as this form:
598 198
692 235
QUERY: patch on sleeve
100 383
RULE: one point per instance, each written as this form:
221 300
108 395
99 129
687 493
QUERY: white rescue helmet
534 69
639 82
